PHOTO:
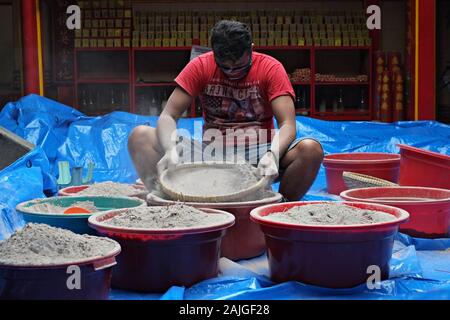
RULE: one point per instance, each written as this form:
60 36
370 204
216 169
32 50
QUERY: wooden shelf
103 112
348 111
103 80
155 84
342 83
184 48
255 48
102 49
309 57
301 83
342 116
161 48
282 47
342 48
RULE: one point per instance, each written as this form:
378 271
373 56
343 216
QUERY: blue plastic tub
77 223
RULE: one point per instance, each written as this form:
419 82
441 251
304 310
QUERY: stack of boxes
310 29
112 23
172 29
105 24
184 28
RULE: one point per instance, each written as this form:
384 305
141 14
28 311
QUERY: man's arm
284 111
177 103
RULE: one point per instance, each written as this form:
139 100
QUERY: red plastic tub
328 256
244 240
429 208
419 167
381 165
153 260
141 191
50 281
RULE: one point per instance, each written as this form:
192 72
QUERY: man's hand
168 161
268 165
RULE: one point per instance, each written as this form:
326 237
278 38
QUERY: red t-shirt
236 104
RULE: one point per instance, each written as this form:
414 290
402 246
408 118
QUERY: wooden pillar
424 60
31 47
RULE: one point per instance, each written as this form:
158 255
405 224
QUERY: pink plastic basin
429 208
244 240
141 191
419 167
381 165
328 256
153 260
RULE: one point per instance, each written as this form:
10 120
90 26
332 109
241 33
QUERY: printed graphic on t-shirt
225 103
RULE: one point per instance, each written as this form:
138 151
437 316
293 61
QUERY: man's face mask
236 72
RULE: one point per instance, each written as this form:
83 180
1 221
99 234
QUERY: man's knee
140 136
309 149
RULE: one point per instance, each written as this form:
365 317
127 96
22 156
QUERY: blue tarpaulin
23 180
419 268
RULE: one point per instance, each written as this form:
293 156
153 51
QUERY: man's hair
230 40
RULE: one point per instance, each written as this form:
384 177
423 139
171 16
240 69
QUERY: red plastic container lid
97 221
361 157
257 215
437 158
398 195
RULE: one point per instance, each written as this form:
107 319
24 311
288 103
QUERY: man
240 92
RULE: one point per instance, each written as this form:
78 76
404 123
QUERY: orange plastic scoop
76 210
